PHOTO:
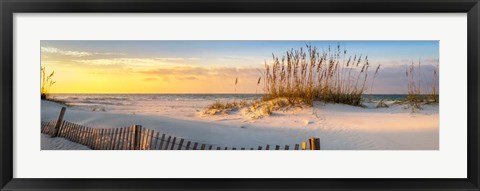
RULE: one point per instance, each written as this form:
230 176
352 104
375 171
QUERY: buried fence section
136 137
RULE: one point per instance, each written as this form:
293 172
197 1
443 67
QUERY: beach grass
219 107
311 75
304 75
47 82
418 92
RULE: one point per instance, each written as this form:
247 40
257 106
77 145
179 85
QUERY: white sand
58 143
338 126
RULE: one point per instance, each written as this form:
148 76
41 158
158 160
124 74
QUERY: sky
211 66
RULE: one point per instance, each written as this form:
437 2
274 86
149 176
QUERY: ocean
129 99
156 103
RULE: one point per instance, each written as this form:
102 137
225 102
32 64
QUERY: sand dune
339 127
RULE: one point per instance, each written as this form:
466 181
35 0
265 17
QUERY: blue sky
392 55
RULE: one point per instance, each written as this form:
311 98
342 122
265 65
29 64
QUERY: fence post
59 121
314 143
136 136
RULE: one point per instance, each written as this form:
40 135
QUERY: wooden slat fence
136 137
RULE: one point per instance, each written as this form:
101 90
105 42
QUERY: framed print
163 95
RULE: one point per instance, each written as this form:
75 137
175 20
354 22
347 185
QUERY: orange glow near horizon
92 80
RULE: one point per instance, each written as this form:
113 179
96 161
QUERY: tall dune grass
47 82
310 75
418 91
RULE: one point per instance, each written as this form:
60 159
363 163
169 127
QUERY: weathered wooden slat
61 133
80 134
132 138
105 139
110 138
84 135
162 140
69 131
120 139
99 138
156 140
173 143
51 128
60 130
95 136
114 138
102 140
138 139
146 134
59 122
108 141
77 133
144 137
118 146
180 145
150 140
47 126
42 126
90 137
125 138
129 140
167 142
72 132
314 143
66 130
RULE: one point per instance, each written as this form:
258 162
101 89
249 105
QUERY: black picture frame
9 7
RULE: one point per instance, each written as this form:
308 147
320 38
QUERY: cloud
150 79
120 61
71 53
396 63
195 73
177 59
180 71
393 79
